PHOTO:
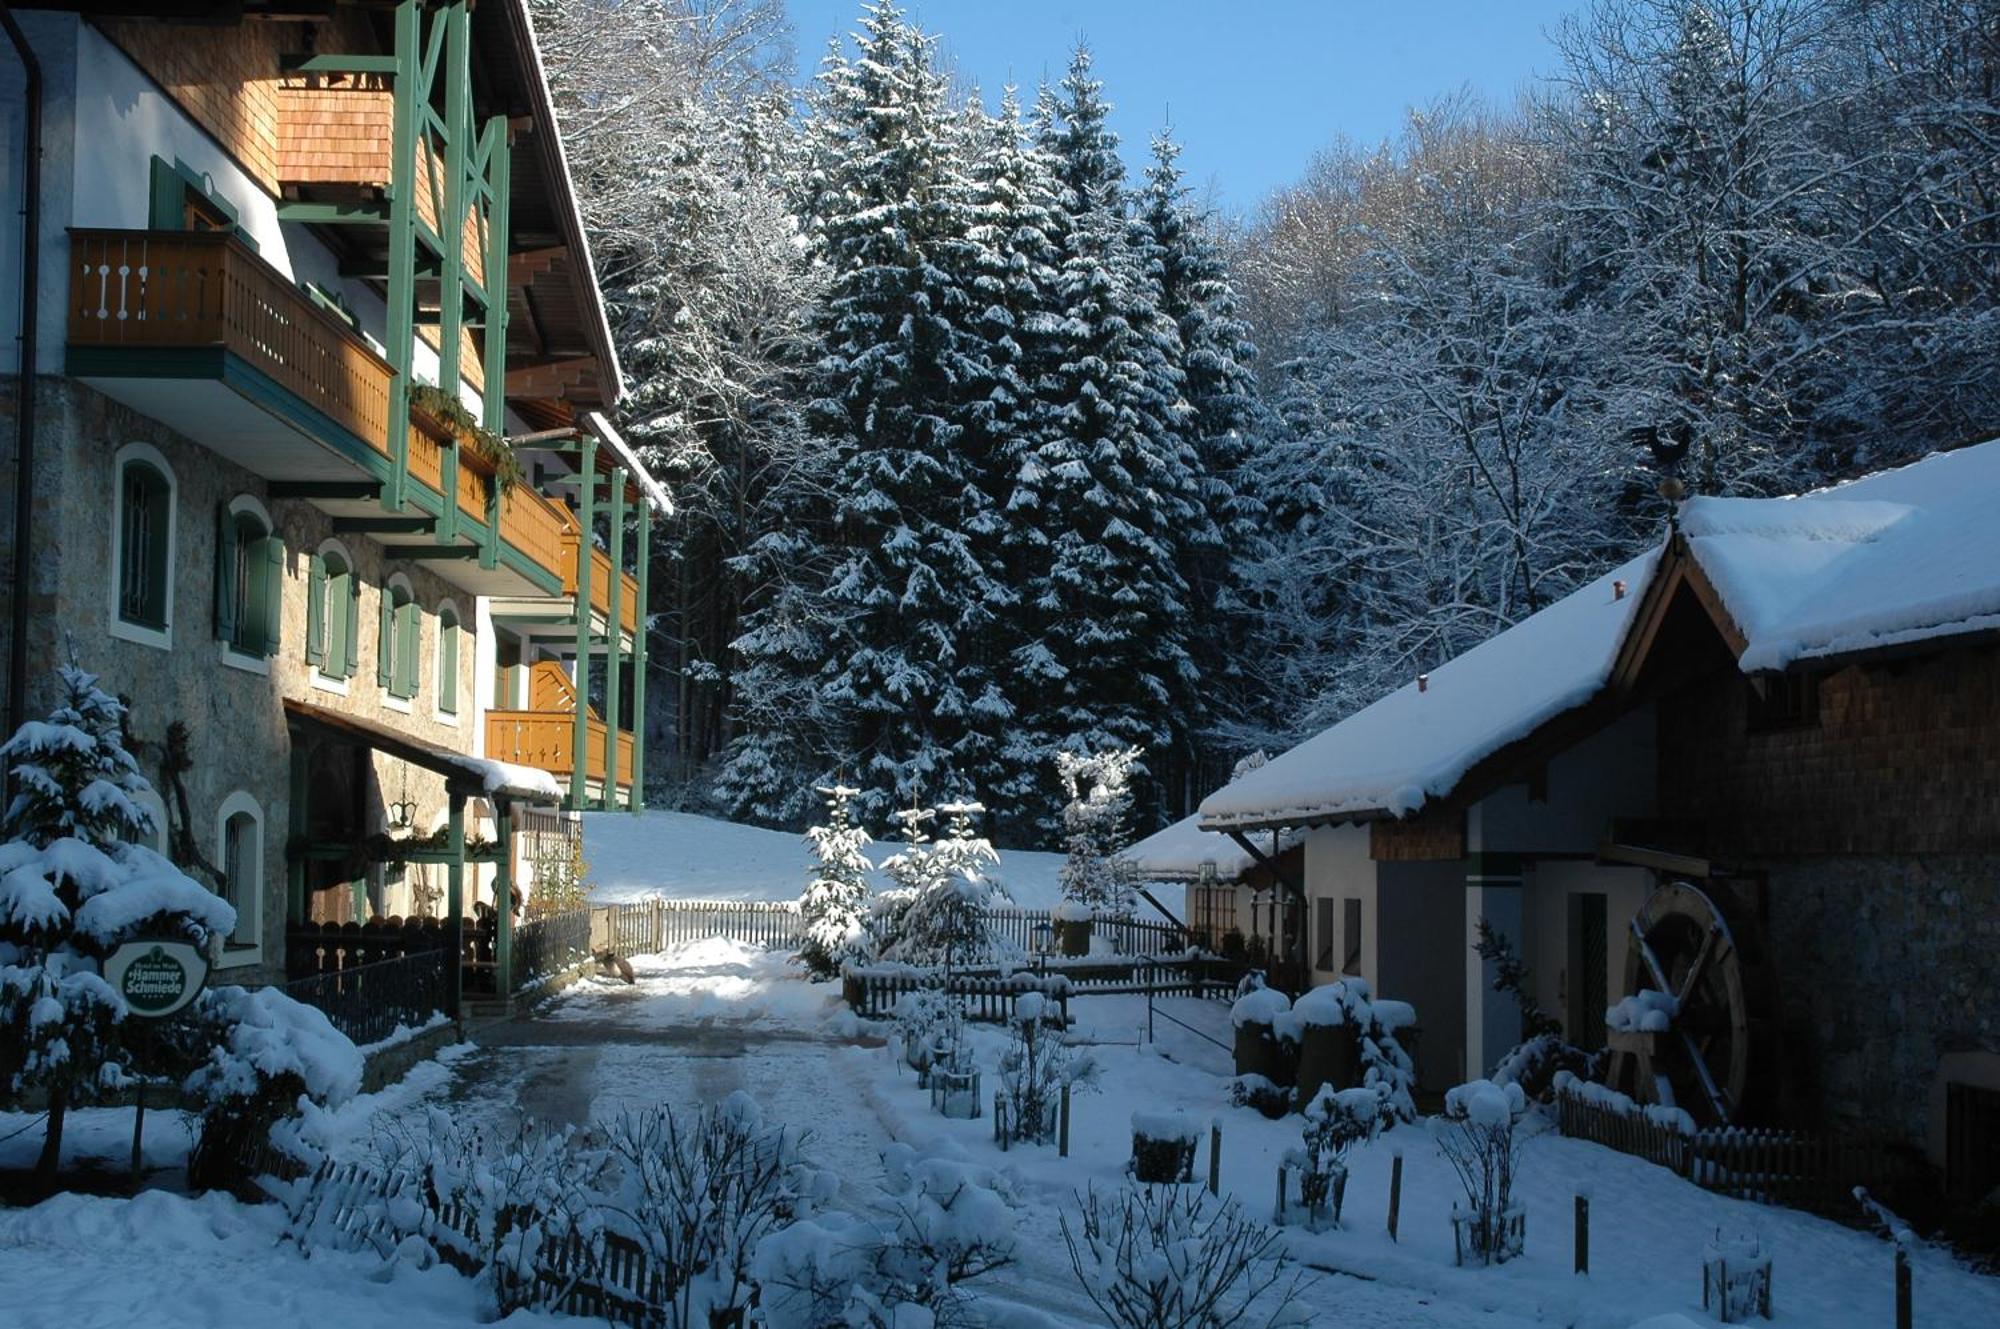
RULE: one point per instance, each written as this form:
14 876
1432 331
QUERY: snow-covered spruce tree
908 591
1099 791
834 908
941 923
72 887
1110 484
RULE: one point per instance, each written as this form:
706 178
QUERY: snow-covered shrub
1477 1135
1099 789
833 910
1643 1012
952 1222
73 887
1152 1257
1035 1069
496 1207
1348 1008
1543 1052
1336 1121
265 1052
1163 1145
1261 1093
930 1025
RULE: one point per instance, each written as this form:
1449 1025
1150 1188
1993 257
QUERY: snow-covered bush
73 887
1477 1135
1163 1145
1261 1093
1099 789
930 1025
265 1052
1349 1007
699 1191
1336 1121
833 910
952 1222
1174 1258
1036 1068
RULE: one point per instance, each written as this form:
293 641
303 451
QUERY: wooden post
454 905
1395 1192
503 899
1062 1126
1582 1233
1215 1158
1278 1210
614 631
1904 1311
642 566
586 520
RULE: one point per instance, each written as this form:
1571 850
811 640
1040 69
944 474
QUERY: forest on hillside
985 449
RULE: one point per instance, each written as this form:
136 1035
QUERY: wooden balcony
546 739
165 291
600 579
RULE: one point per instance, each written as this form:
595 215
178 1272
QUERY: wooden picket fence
986 997
642 927
1799 1169
610 1278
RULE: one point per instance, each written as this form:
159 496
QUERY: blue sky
1254 86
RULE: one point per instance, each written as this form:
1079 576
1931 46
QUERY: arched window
396 654
447 659
142 554
249 579
333 612
239 851
155 807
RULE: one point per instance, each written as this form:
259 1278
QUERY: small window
1782 700
447 660
333 610
240 854
143 550
249 580
396 653
1350 929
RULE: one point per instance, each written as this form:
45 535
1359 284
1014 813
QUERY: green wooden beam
613 616
325 489
421 552
580 740
503 900
400 330
368 212
297 822
368 268
384 525
498 147
454 918
338 64
643 572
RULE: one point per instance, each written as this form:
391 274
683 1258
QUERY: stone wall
1886 965
237 733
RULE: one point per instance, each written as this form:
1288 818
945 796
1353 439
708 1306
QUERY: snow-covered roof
655 492
1176 853
1894 557
1900 556
1416 743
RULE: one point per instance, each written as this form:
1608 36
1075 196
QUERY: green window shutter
167 197
225 574
351 645
271 592
448 665
318 626
385 639
406 650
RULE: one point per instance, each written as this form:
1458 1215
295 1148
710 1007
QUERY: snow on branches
1099 790
834 907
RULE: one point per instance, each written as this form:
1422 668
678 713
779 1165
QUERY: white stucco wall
1339 868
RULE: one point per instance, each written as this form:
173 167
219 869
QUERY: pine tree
833 910
73 886
1095 820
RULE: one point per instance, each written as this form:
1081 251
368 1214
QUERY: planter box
1162 1161
1073 936
1259 1051
1328 1054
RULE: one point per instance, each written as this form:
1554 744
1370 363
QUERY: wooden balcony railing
600 579
206 288
546 739
534 526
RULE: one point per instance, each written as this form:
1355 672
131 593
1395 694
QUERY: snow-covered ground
711 1018
681 856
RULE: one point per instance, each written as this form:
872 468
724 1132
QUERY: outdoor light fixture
403 811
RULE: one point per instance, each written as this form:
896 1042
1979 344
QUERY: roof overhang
655 493
474 777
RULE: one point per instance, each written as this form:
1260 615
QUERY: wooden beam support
527 264
454 919
384 525
550 379
338 64
325 489
364 212
423 552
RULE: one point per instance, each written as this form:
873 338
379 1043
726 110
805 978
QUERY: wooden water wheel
1715 1056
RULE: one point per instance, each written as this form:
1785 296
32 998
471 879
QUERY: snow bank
1416 743
272 1035
1153 1124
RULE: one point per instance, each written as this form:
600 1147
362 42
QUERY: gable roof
1897 557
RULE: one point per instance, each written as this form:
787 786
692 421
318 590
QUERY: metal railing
368 1002
547 947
